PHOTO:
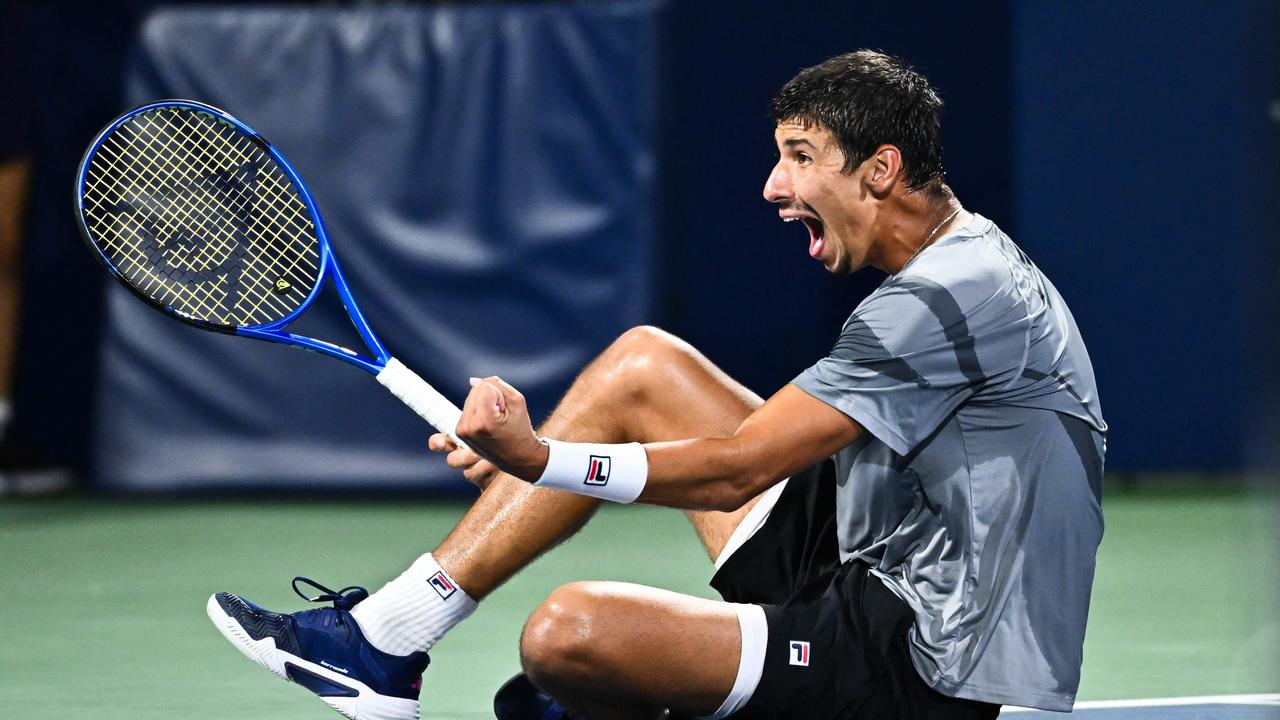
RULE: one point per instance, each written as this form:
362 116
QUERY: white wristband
609 472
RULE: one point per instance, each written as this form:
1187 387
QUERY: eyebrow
793 142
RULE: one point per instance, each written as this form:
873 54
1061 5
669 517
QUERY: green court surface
102 600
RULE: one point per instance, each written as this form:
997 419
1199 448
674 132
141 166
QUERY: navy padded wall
1146 185
487 177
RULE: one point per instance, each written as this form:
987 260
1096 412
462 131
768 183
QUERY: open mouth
816 232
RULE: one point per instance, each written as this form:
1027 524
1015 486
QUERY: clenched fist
495 424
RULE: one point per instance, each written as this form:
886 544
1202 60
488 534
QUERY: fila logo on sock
597 470
443 584
800 653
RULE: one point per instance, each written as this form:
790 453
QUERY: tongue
815 244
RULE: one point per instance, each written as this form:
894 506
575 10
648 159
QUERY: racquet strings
199 218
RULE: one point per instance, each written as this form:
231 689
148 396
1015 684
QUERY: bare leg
647 386
615 650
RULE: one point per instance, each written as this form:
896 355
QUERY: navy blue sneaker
324 651
518 699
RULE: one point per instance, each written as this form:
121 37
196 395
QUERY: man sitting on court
908 529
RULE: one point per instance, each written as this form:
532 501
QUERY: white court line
1265 699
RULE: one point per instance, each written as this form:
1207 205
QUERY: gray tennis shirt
975 493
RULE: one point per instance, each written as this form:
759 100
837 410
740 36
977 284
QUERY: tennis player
906 530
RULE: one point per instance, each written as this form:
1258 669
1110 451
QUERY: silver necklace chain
929 239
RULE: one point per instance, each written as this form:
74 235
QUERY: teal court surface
102 601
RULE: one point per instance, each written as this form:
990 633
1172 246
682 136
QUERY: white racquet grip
422 398
609 472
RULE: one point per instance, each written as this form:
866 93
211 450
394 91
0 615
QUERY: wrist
615 472
536 463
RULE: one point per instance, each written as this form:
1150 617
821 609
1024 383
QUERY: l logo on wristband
597 470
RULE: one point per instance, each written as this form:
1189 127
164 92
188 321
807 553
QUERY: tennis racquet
203 219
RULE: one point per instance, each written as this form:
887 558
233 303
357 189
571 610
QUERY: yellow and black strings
199 218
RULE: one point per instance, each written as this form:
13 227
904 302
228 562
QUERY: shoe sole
364 705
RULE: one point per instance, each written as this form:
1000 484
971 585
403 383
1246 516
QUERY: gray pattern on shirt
975 494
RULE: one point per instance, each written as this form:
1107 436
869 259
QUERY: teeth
790 219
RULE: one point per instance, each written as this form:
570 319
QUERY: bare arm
791 431
15 178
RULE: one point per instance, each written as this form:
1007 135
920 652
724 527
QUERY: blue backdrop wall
486 175
1145 146
1131 148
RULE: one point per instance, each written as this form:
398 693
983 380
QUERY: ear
886 164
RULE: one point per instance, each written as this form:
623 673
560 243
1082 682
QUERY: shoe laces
343 600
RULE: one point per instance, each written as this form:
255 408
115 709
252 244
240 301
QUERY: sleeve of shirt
909 356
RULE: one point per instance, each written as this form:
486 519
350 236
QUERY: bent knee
645 352
648 342
559 640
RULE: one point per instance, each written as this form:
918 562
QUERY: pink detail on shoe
417 684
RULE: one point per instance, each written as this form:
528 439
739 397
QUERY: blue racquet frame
404 383
272 331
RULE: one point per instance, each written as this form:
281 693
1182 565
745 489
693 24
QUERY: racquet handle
422 398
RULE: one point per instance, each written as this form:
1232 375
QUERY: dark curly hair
868 99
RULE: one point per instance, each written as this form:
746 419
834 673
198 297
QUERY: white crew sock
409 614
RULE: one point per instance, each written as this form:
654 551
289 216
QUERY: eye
803 158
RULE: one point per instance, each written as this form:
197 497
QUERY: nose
777 188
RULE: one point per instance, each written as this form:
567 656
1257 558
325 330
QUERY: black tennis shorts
837 646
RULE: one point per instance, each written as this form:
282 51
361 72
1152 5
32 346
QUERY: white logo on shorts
800 653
